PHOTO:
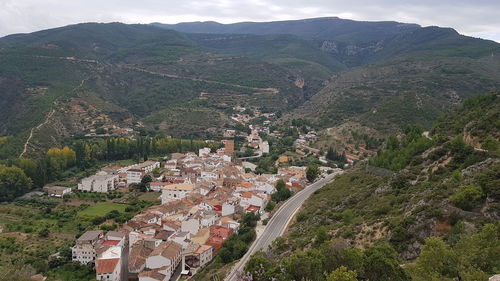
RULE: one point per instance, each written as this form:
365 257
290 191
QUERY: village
202 197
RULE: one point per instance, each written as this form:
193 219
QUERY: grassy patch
150 196
101 209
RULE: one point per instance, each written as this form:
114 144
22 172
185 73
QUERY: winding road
277 224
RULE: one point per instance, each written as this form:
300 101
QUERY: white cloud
476 18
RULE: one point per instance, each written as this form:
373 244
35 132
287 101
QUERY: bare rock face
299 83
411 252
329 47
476 168
353 50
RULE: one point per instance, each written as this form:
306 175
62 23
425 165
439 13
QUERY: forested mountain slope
384 77
58 82
91 78
372 219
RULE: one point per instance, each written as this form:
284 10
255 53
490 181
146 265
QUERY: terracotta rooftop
246 194
137 257
153 274
167 249
253 208
106 266
90 235
111 242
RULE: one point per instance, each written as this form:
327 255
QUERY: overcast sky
479 18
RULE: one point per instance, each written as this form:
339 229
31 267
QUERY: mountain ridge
38 72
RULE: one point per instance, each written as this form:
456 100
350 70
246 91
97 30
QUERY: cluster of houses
112 177
106 252
202 197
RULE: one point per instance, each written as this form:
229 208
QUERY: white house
208 176
159 274
84 251
108 269
135 175
171 164
57 191
249 198
147 166
265 187
191 225
176 192
108 265
228 208
196 256
100 182
166 254
264 147
158 186
181 238
137 171
204 152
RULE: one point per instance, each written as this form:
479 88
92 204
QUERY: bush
270 206
301 216
282 192
468 197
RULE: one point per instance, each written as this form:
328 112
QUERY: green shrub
270 206
468 197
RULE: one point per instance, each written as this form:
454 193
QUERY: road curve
277 224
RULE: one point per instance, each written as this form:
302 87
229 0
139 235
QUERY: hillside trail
174 76
167 75
47 119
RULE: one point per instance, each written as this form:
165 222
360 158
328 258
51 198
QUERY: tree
342 274
381 264
321 235
436 261
257 266
249 220
145 183
330 155
13 183
312 172
468 197
44 232
392 142
270 206
282 192
305 265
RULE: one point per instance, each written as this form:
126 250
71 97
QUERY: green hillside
430 205
327 28
389 95
123 73
75 80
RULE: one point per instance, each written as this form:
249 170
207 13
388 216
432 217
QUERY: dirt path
269 90
36 128
47 119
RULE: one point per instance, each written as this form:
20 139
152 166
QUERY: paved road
277 224
259 154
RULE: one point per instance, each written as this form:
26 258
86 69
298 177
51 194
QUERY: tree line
19 175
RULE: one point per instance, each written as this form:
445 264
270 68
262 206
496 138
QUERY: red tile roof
106 266
220 231
253 208
111 242
246 194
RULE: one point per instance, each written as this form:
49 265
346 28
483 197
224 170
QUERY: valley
320 149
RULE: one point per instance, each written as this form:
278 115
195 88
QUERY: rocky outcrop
470 171
329 47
